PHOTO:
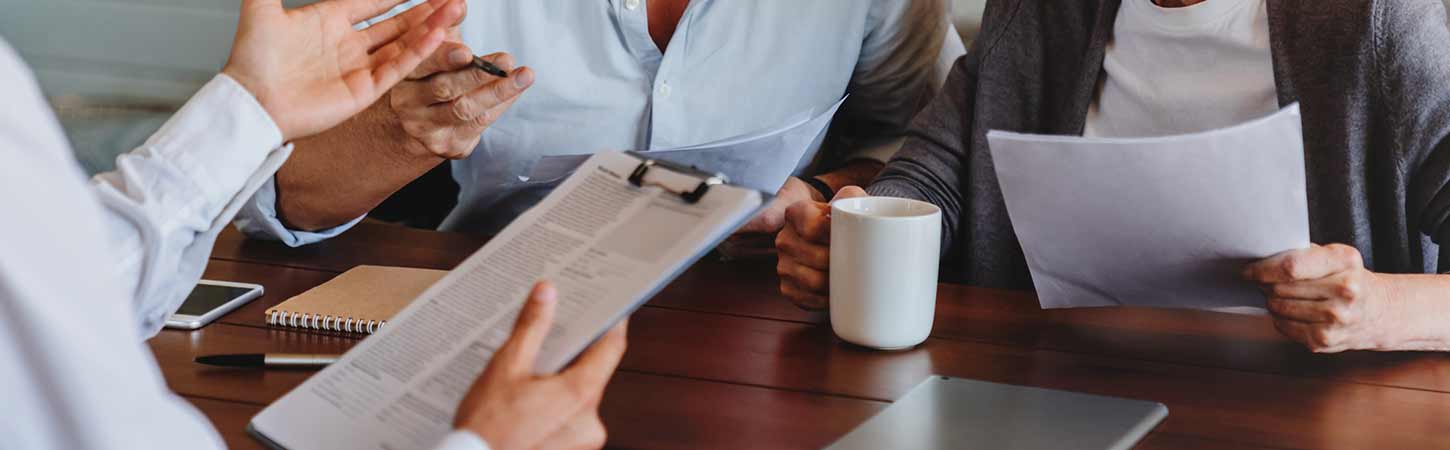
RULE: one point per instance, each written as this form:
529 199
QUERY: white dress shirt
89 271
1183 70
731 67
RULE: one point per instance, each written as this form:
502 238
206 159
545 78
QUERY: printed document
606 244
761 160
1158 222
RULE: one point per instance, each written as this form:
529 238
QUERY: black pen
258 360
488 67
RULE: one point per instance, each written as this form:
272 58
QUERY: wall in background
148 50
161 50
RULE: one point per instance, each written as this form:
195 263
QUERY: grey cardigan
1372 77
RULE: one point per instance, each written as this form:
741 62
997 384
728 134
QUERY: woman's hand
512 408
1325 298
311 70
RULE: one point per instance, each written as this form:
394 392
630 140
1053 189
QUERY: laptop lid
955 413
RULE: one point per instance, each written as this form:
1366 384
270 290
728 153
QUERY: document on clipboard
609 238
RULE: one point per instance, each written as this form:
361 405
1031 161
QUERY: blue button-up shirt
731 67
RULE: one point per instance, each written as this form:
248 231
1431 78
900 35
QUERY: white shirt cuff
462 440
258 219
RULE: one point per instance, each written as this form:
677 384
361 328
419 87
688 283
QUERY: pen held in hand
268 360
488 67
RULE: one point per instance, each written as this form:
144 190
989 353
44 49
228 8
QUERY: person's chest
730 67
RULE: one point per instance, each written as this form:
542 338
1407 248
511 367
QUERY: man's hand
804 245
512 408
446 104
310 70
1324 298
772 218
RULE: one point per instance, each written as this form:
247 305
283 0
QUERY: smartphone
210 300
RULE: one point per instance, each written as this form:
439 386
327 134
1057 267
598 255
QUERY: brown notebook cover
359 301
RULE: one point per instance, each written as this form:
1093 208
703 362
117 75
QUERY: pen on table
298 360
488 67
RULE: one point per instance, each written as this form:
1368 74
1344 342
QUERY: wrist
820 191
1417 318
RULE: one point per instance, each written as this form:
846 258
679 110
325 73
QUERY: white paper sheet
1160 222
760 160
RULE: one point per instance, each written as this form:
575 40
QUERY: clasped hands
1322 297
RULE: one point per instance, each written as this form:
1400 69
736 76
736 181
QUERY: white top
1182 70
89 271
732 67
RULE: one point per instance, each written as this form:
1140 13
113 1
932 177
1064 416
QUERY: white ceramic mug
884 256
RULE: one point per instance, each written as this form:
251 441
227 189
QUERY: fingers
360 10
381 33
850 192
1317 338
517 356
451 56
770 220
409 53
481 107
802 277
1342 285
810 220
1302 310
447 86
806 300
809 254
1306 264
591 371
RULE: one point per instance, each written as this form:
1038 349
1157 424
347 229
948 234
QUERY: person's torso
1184 70
732 67
1036 66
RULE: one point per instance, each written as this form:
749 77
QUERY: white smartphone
210 300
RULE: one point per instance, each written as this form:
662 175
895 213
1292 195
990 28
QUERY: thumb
517 356
850 192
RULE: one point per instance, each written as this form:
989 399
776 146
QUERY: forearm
1422 302
345 172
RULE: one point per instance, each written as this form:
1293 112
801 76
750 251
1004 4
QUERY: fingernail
459 57
547 295
523 78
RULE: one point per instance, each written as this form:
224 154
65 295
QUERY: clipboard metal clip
707 179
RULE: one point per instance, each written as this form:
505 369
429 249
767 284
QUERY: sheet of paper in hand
1160 222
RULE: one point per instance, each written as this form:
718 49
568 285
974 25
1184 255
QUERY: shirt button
631 4
664 90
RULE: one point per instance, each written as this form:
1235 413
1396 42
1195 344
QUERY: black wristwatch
820 186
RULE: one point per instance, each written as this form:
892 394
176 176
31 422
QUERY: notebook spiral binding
323 322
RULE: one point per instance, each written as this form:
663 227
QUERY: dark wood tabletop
720 360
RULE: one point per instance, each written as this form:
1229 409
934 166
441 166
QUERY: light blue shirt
732 67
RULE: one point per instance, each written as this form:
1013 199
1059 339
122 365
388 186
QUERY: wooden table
720 360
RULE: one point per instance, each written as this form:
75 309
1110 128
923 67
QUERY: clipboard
610 237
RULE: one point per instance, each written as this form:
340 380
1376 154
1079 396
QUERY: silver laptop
955 413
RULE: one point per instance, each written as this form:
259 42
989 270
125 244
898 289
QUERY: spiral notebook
360 300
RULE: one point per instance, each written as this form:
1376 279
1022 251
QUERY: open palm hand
311 70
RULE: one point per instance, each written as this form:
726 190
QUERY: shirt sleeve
462 440
166 201
1411 59
258 219
904 60
73 373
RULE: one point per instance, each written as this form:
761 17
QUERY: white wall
132 49
160 49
